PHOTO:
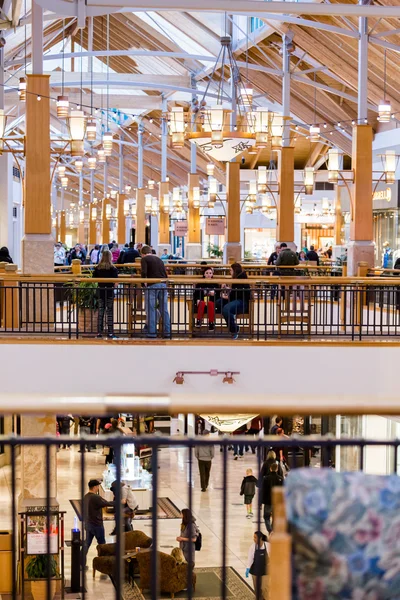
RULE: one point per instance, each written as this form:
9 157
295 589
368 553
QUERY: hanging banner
229 149
181 228
228 423
215 226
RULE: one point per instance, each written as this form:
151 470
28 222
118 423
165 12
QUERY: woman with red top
204 298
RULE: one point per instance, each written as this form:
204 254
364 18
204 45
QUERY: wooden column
194 213
37 152
140 216
338 217
63 226
57 227
163 226
233 249
81 233
285 218
361 246
121 233
92 228
105 223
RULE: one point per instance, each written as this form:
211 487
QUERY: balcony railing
273 308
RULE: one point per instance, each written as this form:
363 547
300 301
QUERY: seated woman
235 301
204 298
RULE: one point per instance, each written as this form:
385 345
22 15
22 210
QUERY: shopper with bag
189 535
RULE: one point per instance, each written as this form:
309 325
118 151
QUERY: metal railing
122 573
270 308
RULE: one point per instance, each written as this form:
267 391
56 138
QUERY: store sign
37 534
228 423
385 194
215 226
181 228
230 148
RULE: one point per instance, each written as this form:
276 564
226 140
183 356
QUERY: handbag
199 542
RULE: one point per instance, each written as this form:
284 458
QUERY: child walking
248 490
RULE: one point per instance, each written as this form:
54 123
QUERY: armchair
104 562
173 577
344 539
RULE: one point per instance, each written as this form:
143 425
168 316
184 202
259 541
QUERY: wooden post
361 246
105 232
81 233
163 226
37 215
280 560
76 267
285 218
11 301
121 233
92 227
140 216
63 226
233 248
57 227
193 246
338 217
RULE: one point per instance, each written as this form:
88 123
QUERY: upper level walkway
308 305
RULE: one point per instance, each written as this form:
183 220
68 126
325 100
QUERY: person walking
188 535
248 490
257 564
152 267
94 525
85 423
64 426
106 270
204 455
271 480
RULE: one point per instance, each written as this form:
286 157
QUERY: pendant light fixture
61 170
309 180
62 101
22 89
92 162
384 108
91 130
77 131
101 155
107 142
315 130
210 169
64 182
79 165
151 184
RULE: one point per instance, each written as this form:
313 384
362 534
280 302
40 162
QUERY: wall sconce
276 130
333 165
390 161
262 180
196 197
176 121
309 180
179 378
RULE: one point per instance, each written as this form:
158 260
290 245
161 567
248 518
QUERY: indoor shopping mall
199 250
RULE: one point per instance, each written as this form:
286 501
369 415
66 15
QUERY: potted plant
214 251
37 570
84 296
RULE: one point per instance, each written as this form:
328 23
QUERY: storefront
386 224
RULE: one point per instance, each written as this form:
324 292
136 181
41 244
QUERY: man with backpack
287 258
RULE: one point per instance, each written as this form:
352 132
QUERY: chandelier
228 128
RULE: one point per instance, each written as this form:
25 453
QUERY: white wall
271 377
10 197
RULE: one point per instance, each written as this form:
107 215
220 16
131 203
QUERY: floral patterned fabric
346 535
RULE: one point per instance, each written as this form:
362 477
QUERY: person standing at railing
205 295
235 301
106 270
312 255
5 255
152 267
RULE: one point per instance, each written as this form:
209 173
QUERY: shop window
255 23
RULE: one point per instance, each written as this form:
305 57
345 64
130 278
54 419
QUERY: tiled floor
173 483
